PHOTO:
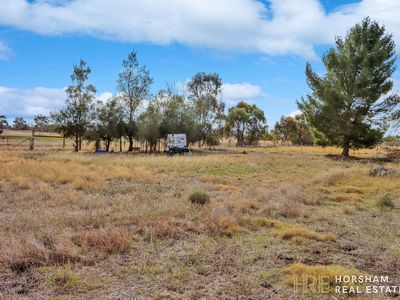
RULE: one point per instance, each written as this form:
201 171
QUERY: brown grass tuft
104 241
331 177
287 200
219 223
167 227
22 252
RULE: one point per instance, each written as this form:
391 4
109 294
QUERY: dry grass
299 233
331 177
104 241
128 217
21 252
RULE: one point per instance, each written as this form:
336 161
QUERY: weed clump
380 171
200 198
65 278
386 202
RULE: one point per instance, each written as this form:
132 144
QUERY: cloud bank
30 102
277 27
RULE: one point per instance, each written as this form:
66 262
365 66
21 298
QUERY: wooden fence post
32 143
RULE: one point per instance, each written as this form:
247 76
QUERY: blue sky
258 47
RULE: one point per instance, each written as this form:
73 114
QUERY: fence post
32 143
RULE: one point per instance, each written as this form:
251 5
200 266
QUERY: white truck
176 144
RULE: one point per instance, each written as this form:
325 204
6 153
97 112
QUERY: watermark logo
311 284
347 284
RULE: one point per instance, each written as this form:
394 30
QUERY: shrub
386 202
200 198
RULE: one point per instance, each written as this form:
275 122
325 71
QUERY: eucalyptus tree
134 87
76 117
246 122
204 90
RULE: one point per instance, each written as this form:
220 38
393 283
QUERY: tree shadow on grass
338 157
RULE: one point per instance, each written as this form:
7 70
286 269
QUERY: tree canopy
247 123
20 123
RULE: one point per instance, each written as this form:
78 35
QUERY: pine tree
349 105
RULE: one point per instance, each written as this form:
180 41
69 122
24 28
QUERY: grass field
121 225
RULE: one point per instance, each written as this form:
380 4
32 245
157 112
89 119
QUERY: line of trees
40 123
134 114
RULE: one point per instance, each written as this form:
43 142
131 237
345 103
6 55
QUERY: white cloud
104 96
295 113
232 93
30 102
284 27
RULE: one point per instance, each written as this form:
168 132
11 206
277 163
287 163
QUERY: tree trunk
345 153
120 144
97 145
130 143
76 143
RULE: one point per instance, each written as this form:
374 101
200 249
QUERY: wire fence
29 140
23 140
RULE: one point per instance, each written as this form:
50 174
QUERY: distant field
121 225
10 132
